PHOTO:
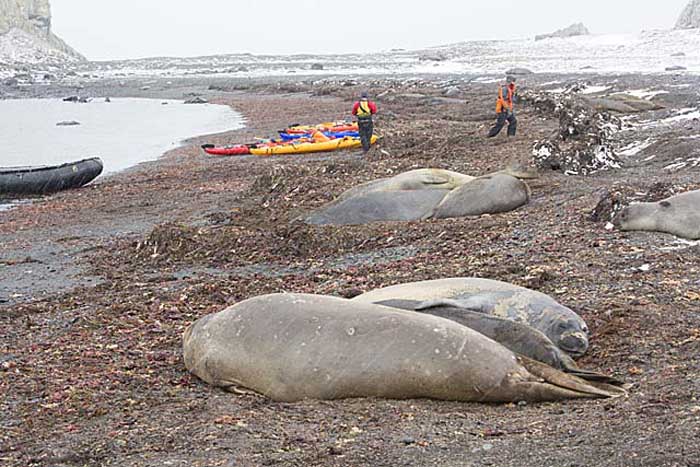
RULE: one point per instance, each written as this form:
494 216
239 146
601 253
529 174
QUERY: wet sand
91 352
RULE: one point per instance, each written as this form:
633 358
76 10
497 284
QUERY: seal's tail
556 384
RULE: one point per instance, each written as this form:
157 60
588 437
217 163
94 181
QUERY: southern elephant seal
490 194
377 206
423 194
520 338
408 196
678 215
291 347
561 325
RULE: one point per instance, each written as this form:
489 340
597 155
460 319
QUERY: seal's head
639 216
571 336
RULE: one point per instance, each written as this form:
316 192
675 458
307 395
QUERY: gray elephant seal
291 347
490 194
519 338
423 194
561 325
678 215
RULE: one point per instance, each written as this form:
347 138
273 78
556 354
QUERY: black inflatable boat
48 179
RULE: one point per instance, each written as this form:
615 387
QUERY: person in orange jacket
363 110
504 109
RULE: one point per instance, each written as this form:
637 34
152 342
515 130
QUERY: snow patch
635 148
595 89
644 93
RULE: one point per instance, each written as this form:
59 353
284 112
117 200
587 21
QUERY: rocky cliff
577 29
25 33
690 18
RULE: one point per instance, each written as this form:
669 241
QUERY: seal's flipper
593 376
565 385
409 305
569 366
478 303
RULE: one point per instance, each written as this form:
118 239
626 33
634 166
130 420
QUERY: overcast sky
114 29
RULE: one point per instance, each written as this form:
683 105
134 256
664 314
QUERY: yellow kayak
303 148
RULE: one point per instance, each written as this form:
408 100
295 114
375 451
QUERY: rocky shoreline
109 276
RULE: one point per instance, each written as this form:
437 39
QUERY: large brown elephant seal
291 347
518 337
561 325
678 215
423 194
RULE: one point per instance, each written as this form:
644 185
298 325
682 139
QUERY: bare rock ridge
690 17
577 29
26 36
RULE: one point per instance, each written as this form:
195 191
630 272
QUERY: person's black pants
366 127
504 117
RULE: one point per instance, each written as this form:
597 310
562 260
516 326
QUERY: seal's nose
574 343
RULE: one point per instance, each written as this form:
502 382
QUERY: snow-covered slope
646 52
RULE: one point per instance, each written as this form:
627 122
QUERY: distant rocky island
690 17
26 36
574 30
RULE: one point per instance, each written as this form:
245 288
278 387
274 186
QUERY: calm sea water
122 133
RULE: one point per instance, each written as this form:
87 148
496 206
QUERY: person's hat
364 95
510 78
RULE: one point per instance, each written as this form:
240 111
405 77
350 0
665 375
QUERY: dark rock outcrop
583 143
574 30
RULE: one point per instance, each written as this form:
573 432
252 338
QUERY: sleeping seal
291 347
491 194
678 215
519 338
561 325
423 194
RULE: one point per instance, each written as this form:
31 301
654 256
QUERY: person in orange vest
504 109
363 110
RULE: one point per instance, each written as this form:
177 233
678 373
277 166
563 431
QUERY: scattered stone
317 66
408 440
145 88
678 54
196 100
68 123
676 68
452 91
608 206
71 99
49 77
242 69
519 72
335 451
587 67
11 82
577 29
432 57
